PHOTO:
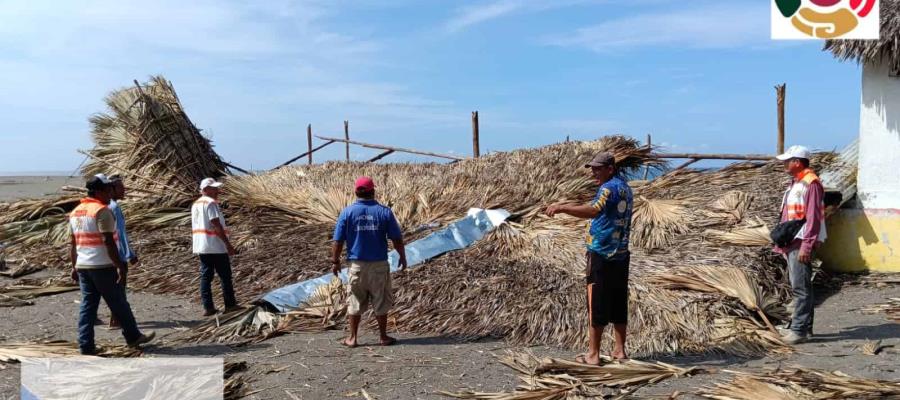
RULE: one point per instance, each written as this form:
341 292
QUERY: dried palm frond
657 222
800 383
236 384
21 269
746 337
17 351
728 209
29 289
752 236
237 327
551 378
891 309
871 348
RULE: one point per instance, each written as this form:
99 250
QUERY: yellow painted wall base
862 240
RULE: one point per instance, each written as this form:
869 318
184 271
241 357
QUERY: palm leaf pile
18 351
523 281
551 378
21 292
800 384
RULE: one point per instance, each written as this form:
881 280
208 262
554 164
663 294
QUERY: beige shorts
370 283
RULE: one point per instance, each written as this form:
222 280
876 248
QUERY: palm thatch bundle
148 139
19 351
19 293
891 309
551 378
800 384
886 49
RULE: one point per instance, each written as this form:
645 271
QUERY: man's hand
554 209
804 258
230 249
120 274
74 274
335 267
402 263
135 262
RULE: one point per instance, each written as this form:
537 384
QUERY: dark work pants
219 264
96 284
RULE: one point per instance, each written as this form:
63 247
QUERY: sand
17 187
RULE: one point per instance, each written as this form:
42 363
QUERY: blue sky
697 75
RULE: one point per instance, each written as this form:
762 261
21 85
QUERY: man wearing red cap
365 227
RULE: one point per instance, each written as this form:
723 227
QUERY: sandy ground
316 366
13 187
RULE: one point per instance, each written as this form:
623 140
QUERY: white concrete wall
879 139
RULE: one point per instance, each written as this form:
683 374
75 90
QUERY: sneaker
143 339
793 338
88 352
210 312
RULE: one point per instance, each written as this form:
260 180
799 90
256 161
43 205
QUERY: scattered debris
17 351
799 384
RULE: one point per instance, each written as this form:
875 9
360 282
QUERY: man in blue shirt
365 226
607 256
125 253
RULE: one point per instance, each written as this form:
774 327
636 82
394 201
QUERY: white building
869 237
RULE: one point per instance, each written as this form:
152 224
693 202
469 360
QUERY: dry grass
800 383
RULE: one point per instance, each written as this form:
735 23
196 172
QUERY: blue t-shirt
366 226
608 232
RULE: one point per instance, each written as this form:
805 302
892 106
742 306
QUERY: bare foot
349 342
588 359
619 356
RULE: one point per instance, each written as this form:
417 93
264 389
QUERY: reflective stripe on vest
89 244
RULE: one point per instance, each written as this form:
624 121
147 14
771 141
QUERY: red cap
366 183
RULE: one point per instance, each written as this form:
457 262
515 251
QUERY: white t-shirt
206 241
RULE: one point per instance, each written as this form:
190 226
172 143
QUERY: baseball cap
794 152
364 182
209 182
97 182
601 159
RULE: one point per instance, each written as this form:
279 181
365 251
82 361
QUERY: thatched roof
887 49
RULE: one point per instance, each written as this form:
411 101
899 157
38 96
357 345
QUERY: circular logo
622 206
825 19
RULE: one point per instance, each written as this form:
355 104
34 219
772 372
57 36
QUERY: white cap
103 178
794 152
209 182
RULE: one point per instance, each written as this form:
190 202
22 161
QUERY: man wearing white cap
211 243
801 230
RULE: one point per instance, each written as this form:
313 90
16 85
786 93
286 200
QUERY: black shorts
607 290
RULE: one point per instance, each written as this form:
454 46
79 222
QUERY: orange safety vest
88 239
795 202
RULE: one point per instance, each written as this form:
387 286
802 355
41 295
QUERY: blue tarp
458 235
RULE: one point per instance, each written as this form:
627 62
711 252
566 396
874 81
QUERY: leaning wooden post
309 142
780 92
649 146
347 137
476 152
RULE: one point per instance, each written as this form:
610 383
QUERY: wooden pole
400 149
780 93
319 147
380 156
347 137
649 145
749 157
309 143
476 152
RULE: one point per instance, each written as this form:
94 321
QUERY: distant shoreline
15 187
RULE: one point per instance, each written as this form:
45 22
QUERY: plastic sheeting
458 235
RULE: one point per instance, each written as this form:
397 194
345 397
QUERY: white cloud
481 12
730 25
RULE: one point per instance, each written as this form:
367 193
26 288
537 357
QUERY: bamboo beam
780 91
751 157
476 151
319 147
347 137
309 143
683 165
232 166
649 146
380 156
400 149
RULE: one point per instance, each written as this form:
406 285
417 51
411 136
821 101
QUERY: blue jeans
801 286
96 284
216 264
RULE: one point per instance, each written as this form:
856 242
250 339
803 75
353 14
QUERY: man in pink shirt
804 200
